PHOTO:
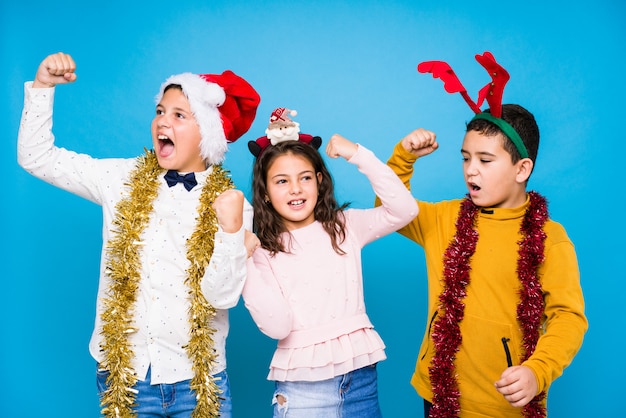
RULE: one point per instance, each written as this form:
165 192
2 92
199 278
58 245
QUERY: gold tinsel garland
133 214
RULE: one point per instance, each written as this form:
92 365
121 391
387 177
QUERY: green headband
508 131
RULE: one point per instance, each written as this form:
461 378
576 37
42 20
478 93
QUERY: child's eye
281 181
306 178
159 112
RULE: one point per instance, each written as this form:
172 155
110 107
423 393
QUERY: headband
282 128
508 131
491 92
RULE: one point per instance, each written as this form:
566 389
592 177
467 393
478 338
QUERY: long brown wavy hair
269 225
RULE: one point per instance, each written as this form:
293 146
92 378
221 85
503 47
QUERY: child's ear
524 168
319 178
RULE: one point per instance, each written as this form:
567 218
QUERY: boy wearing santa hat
174 253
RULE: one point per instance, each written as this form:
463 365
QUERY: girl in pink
304 285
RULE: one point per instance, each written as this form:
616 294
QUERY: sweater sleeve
397 207
565 321
401 163
264 298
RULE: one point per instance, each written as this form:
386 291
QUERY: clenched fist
55 69
420 142
228 207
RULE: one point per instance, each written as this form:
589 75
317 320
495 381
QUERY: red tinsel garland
446 332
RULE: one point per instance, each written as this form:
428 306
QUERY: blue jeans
174 400
352 395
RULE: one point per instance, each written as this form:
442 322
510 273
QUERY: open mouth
296 203
473 187
166 145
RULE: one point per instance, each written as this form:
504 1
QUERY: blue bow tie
189 180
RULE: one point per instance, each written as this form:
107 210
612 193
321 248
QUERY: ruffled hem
328 359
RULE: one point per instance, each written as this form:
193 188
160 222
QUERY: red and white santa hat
224 106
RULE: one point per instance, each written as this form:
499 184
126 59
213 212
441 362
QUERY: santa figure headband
492 92
282 128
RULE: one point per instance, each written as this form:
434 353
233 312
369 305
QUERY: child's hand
55 69
518 385
229 210
338 146
251 241
420 142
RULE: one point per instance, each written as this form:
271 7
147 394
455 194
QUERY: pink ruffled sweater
311 298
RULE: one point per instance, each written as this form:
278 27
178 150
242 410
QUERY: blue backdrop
347 67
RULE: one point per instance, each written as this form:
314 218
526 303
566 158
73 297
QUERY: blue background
347 67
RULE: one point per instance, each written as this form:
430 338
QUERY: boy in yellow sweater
505 306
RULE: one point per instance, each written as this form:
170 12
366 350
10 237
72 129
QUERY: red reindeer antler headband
492 92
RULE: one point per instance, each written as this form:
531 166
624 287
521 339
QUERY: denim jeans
352 395
174 400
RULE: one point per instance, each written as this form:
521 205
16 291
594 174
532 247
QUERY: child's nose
295 187
162 121
471 168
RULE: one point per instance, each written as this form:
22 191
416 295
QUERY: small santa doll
280 129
